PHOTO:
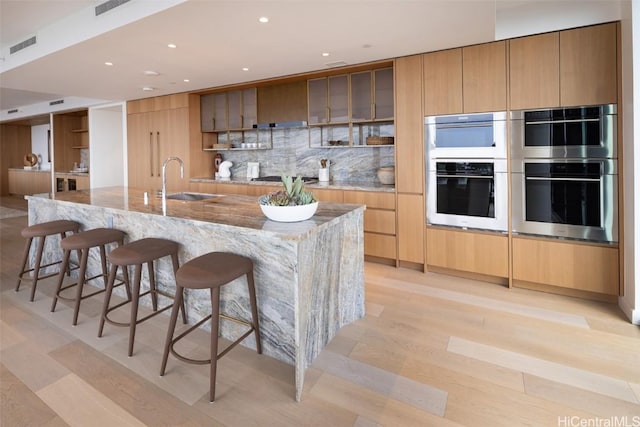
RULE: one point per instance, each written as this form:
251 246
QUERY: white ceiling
216 39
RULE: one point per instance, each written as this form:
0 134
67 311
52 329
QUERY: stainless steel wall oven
564 173
468 193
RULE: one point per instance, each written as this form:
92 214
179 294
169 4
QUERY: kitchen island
309 275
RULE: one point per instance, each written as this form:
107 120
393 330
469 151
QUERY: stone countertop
30 170
72 173
331 185
229 210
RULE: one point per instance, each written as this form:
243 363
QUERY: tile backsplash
292 155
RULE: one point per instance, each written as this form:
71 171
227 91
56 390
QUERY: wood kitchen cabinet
153 137
467 251
466 80
284 102
409 159
566 68
230 110
70 136
574 266
22 182
379 222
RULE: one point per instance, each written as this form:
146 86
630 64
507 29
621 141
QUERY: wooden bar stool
143 251
83 242
41 231
212 271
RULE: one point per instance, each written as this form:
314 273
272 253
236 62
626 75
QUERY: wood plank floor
432 350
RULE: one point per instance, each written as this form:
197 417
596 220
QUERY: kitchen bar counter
309 275
331 185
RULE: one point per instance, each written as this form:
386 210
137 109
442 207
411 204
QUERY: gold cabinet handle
151 154
158 151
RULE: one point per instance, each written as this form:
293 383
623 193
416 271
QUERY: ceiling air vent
15 110
59 101
335 64
28 42
108 5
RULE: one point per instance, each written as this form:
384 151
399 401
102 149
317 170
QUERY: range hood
293 124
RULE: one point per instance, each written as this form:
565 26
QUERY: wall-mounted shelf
79 147
79 130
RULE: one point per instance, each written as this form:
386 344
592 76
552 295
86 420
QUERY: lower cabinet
576 266
468 251
29 182
379 222
66 182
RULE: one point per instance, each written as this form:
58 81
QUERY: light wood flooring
432 350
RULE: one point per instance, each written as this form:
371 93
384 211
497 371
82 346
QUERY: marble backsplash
292 155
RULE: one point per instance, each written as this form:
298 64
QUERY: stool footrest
219 355
46 276
76 284
142 319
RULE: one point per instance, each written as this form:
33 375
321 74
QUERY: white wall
630 302
107 138
40 145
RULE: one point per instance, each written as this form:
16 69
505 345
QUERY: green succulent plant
293 194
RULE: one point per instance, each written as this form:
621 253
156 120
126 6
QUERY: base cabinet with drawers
23 182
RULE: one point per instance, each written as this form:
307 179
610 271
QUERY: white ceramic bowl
289 213
386 175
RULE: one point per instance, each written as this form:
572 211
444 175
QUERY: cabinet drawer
480 253
373 199
569 265
335 196
380 221
380 245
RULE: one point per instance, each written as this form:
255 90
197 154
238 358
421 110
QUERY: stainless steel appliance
577 132
481 135
572 198
468 193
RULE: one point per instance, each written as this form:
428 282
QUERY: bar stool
143 251
212 271
41 231
83 242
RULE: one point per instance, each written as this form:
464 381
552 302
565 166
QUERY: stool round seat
213 270
91 238
50 228
41 232
143 251
82 242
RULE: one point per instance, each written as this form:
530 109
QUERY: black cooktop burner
278 178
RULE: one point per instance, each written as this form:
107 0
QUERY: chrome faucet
164 174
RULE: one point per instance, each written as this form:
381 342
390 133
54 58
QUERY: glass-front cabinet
351 110
228 120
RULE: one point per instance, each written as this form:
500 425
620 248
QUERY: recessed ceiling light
245 69
151 73
186 80
148 88
263 19
325 53
172 46
108 64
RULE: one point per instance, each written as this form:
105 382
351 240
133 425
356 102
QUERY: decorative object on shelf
335 143
30 160
387 175
379 140
217 160
221 146
292 204
323 172
223 171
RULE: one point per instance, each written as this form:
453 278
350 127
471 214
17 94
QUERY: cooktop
278 178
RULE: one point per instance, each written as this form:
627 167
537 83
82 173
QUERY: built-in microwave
576 132
570 198
478 135
468 193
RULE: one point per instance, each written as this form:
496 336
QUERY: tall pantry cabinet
410 169
158 128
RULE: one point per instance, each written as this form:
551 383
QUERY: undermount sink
191 197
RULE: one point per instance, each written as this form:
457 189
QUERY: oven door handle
547 122
536 178
464 125
465 176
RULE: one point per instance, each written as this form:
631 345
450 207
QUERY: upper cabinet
283 102
588 65
354 109
227 111
466 80
566 68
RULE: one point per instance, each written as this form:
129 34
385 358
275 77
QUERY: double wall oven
564 173
467 171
